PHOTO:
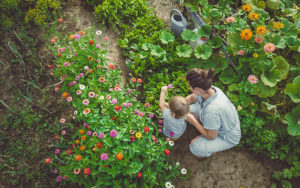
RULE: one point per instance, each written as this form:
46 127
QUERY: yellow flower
90 58
246 8
246 34
138 134
255 55
278 25
253 16
71 37
239 108
261 30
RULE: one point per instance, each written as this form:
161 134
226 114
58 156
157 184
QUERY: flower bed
116 143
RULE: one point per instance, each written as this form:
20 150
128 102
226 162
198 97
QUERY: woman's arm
162 103
191 99
209 134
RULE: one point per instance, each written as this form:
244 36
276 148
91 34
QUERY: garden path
232 168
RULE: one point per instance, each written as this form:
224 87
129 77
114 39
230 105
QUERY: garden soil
233 168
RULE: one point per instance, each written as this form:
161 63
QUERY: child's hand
164 89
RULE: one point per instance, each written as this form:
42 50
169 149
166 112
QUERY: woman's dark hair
200 78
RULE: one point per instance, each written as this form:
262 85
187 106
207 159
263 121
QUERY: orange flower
65 94
139 80
91 42
81 33
60 20
253 16
98 66
77 142
261 30
81 131
90 58
86 111
77 157
117 85
82 148
106 38
102 79
99 145
71 37
112 66
91 70
246 34
52 41
133 79
83 138
119 156
246 8
94 149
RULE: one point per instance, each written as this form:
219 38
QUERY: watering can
178 22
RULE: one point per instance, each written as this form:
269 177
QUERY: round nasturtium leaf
184 50
188 35
204 31
166 37
157 51
265 91
204 51
293 90
293 119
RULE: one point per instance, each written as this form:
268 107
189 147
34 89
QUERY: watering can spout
178 22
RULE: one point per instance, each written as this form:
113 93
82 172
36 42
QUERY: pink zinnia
241 52
110 89
113 133
108 97
86 111
117 88
66 64
56 89
85 102
147 105
76 36
269 47
170 86
101 135
91 94
63 132
77 171
78 92
86 68
136 111
141 114
258 40
69 99
114 101
129 104
252 79
230 19
104 156
160 121
62 120
160 130
171 133
98 45
95 134
129 90
59 178
85 125
124 104
150 115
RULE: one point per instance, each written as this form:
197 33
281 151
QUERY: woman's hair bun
210 73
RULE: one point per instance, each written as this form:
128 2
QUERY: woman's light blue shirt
218 113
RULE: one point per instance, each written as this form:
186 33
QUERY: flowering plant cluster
116 142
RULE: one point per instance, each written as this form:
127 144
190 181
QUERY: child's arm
191 99
163 92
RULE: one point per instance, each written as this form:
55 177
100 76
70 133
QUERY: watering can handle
175 10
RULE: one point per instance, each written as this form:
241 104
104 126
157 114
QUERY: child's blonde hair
179 107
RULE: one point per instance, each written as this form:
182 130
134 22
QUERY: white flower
70 43
98 32
177 163
82 87
101 97
183 171
171 143
75 112
170 167
168 185
86 68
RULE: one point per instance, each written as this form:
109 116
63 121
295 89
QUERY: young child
174 114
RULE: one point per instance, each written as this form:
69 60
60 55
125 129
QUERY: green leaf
227 76
265 91
293 43
215 42
282 65
271 78
147 46
293 90
234 41
184 50
261 4
166 37
278 41
204 51
135 167
188 35
204 31
289 28
290 12
157 51
143 54
273 4
269 108
262 14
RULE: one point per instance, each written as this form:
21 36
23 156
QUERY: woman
219 124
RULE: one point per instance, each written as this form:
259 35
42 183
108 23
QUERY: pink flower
63 132
113 133
230 19
69 99
91 94
110 89
160 121
101 135
117 89
269 47
98 45
141 114
129 90
78 92
98 60
104 156
89 133
108 97
56 89
124 104
160 130
66 64
76 36
129 104
150 115
258 40
85 102
86 68
252 79
95 134
170 86
114 101
85 125
171 133
77 171
57 151
62 120
241 52
86 111
59 178
147 105
136 111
